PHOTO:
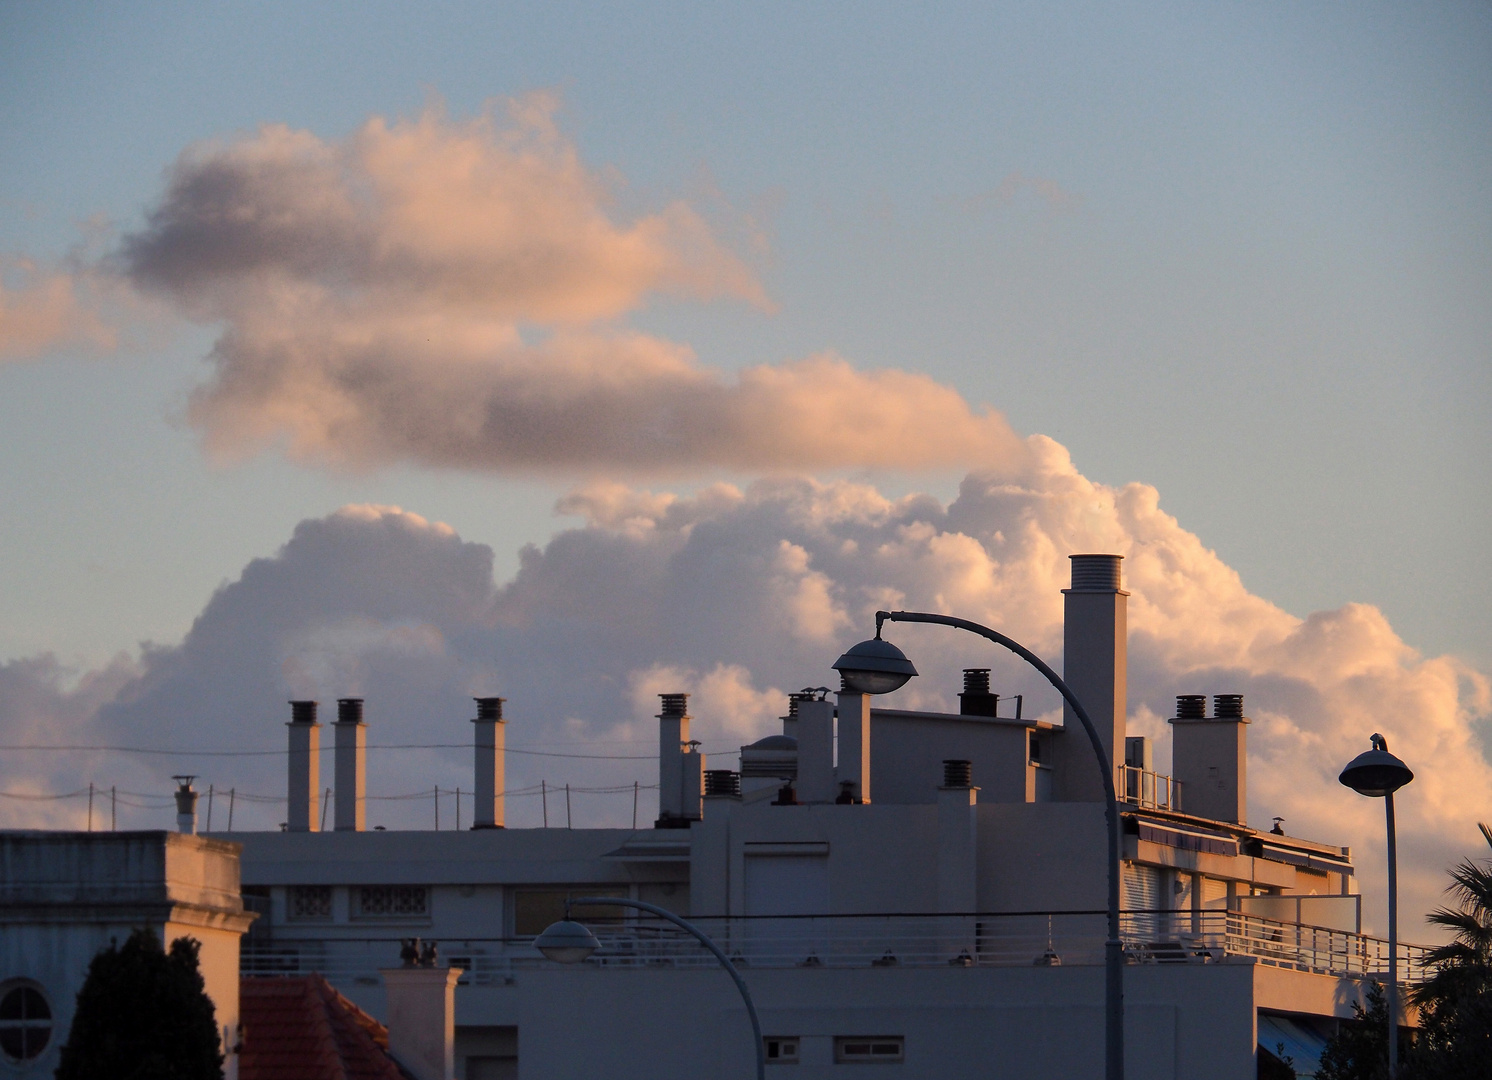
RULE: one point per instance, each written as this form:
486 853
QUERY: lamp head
1376 773
874 667
567 942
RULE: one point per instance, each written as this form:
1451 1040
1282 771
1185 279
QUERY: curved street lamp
571 942
878 667
1378 774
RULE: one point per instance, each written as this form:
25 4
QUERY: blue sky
1240 252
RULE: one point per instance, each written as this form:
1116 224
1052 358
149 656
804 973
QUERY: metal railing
1147 790
871 941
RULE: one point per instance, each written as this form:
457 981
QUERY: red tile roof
302 1029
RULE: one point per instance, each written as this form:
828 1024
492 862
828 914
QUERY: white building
65 896
932 902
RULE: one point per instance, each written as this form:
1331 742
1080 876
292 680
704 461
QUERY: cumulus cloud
454 293
41 310
738 595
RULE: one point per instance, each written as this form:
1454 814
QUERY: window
869 1049
25 1022
536 909
391 902
782 1050
310 903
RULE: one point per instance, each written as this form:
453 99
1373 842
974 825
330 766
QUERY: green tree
143 1014
1276 1066
1455 1002
1359 1049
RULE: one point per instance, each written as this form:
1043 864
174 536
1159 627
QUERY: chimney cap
674 704
1191 706
1096 573
489 708
350 710
1227 706
303 712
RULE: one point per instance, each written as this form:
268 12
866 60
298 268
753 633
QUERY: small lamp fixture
1376 773
874 667
567 942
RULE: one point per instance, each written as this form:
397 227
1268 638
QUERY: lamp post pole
1378 774
1114 946
703 938
1393 940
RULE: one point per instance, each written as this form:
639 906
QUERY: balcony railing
866 941
1147 790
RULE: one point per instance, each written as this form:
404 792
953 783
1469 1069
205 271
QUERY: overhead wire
160 752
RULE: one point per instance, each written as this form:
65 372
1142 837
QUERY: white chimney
673 733
693 767
351 754
958 838
186 805
1095 664
1210 757
304 770
491 749
422 1019
816 752
854 746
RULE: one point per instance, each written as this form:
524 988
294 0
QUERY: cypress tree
143 1014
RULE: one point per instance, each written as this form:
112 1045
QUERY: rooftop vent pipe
674 791
186 805
976 700
351 779
1209 757
490 747
303 772
1095 647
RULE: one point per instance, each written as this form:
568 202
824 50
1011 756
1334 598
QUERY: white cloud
738 595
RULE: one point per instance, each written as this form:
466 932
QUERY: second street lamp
569 942
1378 774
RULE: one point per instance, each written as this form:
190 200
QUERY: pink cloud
44 312
453 293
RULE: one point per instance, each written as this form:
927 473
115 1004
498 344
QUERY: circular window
25 1022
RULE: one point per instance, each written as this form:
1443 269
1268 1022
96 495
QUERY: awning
1286 1037
1187 839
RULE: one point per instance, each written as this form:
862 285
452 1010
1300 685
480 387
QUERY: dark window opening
869 1049
781 1050
25 1023
536 909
